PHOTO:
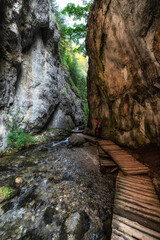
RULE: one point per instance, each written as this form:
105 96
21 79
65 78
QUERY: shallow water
55 184
61 143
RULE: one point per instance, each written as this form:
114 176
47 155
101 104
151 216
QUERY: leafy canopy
79 30
77 12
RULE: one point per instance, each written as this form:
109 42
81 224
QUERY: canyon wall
32 80
123 45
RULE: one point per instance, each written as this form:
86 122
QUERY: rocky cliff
32 80
123 44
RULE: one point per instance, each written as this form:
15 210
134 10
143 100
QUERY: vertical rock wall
123 44
32 80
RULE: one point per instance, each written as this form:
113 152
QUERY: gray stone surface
73 226
32 80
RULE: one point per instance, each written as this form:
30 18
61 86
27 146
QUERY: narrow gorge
79 143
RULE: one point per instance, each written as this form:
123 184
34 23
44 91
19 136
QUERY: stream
60 194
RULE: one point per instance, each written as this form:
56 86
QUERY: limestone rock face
123 44
32 81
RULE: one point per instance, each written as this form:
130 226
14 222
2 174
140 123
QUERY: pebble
18 180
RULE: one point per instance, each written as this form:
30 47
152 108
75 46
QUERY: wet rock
48 215
26 164
35 235
67 177
6 168
7 206
27 197
75 226
76 140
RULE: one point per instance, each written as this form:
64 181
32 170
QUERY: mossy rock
7 193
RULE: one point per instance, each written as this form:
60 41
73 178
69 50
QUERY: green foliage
77 12
78 32
5 192
64 94
17 138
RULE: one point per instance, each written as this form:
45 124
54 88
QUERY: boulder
75 226
76 140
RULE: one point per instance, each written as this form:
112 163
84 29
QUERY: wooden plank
124 158
132 164
107 163
111 148
134 180
141 181
136 226
146 178
114 170
104 155
131 231
138 167
117 152
120 153
118 235
139 218
138 196
137 201
131 173
136 213
135 186
139 191
121 157
133 167
100 150
134 172
106 142
138 208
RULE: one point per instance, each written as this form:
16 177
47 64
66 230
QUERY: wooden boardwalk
127 163
136 213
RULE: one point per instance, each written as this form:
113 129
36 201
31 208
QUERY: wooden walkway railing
136 213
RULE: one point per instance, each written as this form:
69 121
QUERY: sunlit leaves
76 11
78 31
